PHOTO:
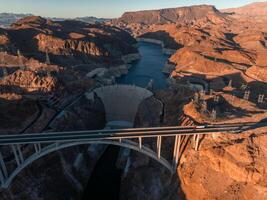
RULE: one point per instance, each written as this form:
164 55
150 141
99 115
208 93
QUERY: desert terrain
47 66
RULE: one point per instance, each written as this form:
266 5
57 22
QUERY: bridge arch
59 146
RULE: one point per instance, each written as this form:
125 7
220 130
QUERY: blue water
147 68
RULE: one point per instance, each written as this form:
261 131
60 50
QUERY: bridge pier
159 147
17 158
176 151
3 170
2 178
37 148
197 142
140 142
20 153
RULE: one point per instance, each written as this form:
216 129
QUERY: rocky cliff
39 56
235 162
174 15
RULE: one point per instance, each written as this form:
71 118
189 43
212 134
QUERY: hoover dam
121 102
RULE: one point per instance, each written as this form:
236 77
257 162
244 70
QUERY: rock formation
226 49
253 11
39 56
173 15
48 65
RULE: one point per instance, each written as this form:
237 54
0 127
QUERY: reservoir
148 67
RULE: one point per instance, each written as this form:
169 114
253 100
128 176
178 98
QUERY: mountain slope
6 19
256 10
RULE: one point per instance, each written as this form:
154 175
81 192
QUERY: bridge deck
124 133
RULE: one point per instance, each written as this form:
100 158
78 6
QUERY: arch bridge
23 150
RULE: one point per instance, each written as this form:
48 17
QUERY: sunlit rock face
76 42
237 162
254 11
173 15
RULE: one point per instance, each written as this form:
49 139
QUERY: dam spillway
121 102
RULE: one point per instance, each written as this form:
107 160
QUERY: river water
105 180
147 68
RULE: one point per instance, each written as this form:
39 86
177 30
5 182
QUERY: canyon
201 61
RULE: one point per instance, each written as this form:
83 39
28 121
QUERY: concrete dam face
121 102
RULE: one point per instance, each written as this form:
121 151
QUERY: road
75 136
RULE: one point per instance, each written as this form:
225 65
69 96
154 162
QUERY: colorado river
147 68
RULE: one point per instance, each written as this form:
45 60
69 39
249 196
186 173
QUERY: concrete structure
45 143
261 98
247 95
165 50
98 72
121 101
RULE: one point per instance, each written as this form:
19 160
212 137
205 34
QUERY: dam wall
154 41
121 101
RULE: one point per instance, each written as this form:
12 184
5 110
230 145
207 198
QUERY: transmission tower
47 59
21 64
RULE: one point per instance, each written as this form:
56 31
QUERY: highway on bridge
109 134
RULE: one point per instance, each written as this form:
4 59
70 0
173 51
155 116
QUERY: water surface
147 68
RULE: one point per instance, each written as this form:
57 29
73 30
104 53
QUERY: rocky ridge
42 57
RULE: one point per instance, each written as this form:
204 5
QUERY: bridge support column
197 142
194 137
2 178
3 170
140 142
20 153
159 146
15 154
37 148
176 150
